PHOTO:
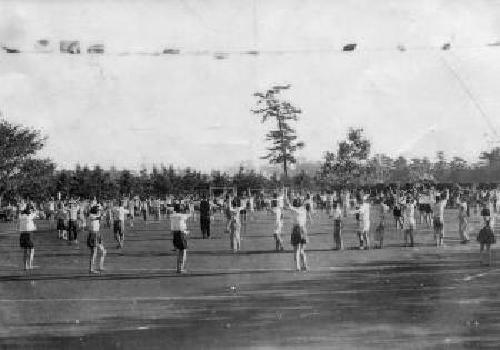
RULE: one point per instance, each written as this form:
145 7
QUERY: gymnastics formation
412 208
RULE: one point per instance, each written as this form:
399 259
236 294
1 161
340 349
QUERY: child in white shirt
235 228
26 227
119 224
337 226
364 223
438 211
178 227
278 217
94 239
409 222
299 234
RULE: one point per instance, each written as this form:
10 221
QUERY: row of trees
350 164
353 164
42 183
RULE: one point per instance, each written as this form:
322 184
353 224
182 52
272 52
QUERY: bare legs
29 254
181 260
481 254
93 256
235 240
299 256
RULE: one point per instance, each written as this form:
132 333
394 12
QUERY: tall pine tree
283 138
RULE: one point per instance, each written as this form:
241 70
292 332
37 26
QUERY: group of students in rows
73 216
429 206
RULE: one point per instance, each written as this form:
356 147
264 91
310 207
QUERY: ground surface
394 298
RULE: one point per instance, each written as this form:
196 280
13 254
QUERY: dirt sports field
394 298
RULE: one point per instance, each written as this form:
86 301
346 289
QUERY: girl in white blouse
26 227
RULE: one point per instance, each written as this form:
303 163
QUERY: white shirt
178 222
364 216
281 201
119 213
94 222
300 217
439 209
278 221
337 214
73 213
410 213
26 222
244 203
382 209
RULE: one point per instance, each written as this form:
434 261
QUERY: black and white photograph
249 174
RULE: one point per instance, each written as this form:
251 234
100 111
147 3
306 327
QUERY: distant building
96 49
71 47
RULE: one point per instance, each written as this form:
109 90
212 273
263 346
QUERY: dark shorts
485 237
204 221
179 240
60 225
26 240
379 232
427 208
337 227
117 227
298 236
93 240
438 224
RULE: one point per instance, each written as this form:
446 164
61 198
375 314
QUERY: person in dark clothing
205 217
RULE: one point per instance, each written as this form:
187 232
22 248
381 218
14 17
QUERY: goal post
216 191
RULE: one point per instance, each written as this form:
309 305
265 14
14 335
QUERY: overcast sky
195 110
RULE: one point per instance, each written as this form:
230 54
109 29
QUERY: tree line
350 163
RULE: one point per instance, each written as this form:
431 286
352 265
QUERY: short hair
27 210
94 209
178 208
297 203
